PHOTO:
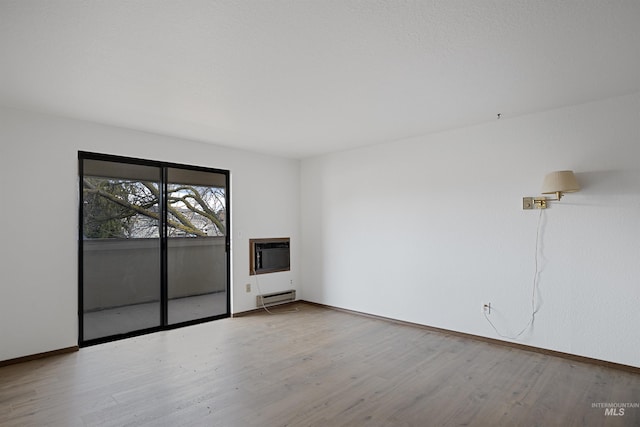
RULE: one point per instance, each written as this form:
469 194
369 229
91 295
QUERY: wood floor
312 367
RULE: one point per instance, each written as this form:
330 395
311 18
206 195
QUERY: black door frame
164 325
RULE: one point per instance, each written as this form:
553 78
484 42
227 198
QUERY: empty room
320 213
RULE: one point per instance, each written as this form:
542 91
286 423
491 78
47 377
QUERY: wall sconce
557 183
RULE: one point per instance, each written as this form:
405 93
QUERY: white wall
423 230
426 230
39 217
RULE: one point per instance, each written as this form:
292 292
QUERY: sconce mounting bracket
534 203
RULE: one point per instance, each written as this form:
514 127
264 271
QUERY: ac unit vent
275 298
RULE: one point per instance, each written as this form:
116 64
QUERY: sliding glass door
196 244
154 248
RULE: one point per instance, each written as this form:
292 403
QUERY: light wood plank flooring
312 367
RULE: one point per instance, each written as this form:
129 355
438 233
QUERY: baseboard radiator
275 298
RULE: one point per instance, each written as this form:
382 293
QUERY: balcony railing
119 272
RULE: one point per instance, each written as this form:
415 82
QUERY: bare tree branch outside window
120 208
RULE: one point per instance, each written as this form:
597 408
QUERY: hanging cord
265 307
534 291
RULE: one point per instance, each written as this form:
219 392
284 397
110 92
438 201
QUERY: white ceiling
298 78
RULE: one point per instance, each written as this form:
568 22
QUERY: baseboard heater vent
275 298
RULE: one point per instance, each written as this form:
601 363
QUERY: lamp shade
560 182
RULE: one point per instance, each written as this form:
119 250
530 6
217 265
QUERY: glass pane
196 250
121 248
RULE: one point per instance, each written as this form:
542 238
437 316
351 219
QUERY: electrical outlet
486 308
247 287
